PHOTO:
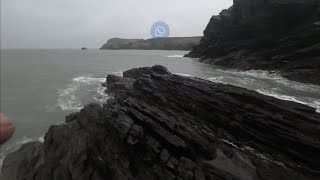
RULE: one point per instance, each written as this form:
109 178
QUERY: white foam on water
312 102
317 104
175 56
25 140
218 79
271 84
41 139
88 79
182 74
68 100
102 96
260 74
279 96
118 73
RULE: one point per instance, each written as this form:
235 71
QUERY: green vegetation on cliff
172 43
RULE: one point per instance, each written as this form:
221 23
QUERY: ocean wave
102 97
182 74
311 102
218 79
88 79
259 74
118 73
317 105
275 77
271 84
75 95
175 56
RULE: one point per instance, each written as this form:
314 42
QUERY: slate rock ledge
164 126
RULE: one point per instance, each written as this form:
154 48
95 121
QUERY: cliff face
279 35
161 126
171 43
119 43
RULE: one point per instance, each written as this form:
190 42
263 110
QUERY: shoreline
284 73
182 125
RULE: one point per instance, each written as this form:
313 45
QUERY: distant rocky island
282 35
170 43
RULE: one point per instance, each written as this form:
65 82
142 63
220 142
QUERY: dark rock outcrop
170 43
164 126
279 35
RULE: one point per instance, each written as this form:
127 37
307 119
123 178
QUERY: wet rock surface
163 126
268 35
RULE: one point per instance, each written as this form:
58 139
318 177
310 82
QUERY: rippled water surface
40 87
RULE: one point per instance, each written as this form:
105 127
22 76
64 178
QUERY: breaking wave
69 99
175 56
83 90
182 74
308 101
271 84
278 79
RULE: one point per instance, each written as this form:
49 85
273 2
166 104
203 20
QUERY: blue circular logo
160 30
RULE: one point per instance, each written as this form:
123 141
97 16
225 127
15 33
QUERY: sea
40 87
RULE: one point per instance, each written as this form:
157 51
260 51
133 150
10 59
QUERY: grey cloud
76 23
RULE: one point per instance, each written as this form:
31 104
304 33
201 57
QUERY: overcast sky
90 23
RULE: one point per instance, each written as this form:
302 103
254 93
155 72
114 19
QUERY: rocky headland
170 43
163 126
281 35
